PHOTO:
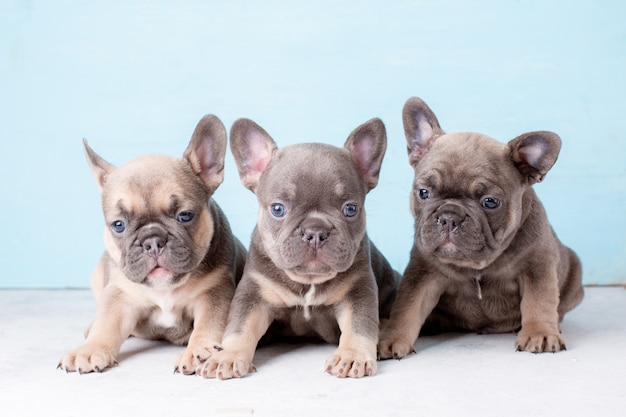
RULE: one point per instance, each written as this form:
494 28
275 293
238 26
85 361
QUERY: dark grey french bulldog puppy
171 261
311 269
485 258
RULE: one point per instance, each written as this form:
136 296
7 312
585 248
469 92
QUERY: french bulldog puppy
484 258
311 269
171 261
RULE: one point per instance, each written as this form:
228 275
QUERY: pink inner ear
204 154
209 168
532 154
258 154
424 131
363 154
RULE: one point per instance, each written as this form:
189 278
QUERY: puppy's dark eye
278 210
350 210
185 216
424 194
118 226
491 203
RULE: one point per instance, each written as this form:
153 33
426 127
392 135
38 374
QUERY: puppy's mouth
448 247
448 252
159 273
311 272
313 267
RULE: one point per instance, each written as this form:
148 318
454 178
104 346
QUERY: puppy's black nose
315 236
448 222
153 246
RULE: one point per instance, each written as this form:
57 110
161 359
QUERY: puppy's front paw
351 363
226 365
192 358
539 337
394 346
87 358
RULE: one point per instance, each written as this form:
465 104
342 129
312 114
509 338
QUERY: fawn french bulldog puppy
484 257
311 269
171 261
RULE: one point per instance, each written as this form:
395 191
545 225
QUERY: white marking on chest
480 291
167 317
308 299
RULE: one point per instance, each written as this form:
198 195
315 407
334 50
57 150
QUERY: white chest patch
480 291
167 315
308 299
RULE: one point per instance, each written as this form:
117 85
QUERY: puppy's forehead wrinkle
469 185
321 172
156 183
461 166
134 199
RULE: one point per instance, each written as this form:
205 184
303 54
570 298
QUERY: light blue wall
134 77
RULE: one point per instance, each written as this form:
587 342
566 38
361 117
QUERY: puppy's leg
210 312
113 324
355 356
417 297
248 320
540 319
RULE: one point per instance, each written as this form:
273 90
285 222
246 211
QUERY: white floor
451 375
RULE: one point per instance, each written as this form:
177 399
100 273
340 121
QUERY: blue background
134 77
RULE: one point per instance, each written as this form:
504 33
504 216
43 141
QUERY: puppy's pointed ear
252 148
99 167
534 153
367 144
420 127
206 150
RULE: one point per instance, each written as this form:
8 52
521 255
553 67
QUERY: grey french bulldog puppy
485 257
171 261
311 269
